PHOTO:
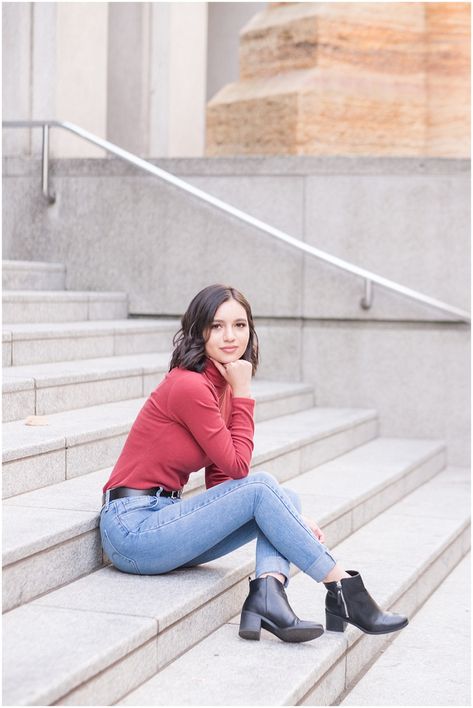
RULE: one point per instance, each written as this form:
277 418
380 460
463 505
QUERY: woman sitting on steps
201 414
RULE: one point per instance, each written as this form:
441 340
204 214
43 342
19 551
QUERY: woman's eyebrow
240 319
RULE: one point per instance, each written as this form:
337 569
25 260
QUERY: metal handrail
369 277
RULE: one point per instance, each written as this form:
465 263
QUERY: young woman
201 415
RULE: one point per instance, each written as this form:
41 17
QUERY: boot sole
251 625
345 620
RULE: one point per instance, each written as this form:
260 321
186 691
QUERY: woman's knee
265 477
269 480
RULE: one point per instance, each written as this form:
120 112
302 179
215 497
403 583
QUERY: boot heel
334 624
250 626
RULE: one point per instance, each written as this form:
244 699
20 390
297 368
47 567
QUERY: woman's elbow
241 471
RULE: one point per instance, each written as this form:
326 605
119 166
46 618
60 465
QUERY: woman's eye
240 324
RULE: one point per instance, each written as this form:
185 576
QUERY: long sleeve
214 476
195 405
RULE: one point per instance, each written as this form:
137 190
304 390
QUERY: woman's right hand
238 374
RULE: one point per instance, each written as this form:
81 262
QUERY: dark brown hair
189 341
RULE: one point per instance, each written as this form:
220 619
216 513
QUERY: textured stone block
288 36
150 382
166 598
47 342
51 527
301 429
6 349
210 660
83 493
266 410
62 306
138 342
352 79
69 348
18 399
22 311
327 691
121 677
108 308
338 442
90 456
66 397
191 629
43 571
80 646
31 275
282 466
28 473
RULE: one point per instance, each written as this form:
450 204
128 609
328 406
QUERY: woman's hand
316 530
238 374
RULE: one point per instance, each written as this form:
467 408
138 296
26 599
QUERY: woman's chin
226 358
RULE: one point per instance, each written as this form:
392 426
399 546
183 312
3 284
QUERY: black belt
119 492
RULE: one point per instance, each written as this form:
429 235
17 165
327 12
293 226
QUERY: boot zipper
341 597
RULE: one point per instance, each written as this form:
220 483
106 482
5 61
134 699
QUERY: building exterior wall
81 74
16 73
137 74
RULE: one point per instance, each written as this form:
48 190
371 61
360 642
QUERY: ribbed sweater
191 420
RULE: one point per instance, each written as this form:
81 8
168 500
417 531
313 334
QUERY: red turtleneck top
191 420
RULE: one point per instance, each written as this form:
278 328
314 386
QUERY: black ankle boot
347 600
267 607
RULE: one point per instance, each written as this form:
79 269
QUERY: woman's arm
193 403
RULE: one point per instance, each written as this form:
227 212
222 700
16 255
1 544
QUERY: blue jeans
149 535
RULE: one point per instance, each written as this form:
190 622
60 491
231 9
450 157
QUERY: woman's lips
229 350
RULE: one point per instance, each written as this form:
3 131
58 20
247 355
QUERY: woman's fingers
315 528
237 373
219 366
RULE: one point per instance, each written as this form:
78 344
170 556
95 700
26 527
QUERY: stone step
110 631
403 555
45 389
85 440
33 275
56 525
23 306
437 644
42 342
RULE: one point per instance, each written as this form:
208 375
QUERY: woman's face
229 333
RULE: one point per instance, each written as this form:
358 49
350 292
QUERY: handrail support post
51 198
367 299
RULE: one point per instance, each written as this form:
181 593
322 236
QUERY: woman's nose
229 335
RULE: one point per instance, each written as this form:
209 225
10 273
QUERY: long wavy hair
189 342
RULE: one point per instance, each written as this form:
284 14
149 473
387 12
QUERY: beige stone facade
348 79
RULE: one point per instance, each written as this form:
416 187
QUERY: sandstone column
349 79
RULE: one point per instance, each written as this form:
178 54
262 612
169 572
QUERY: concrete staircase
78 632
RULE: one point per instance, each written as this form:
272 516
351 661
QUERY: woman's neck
214 375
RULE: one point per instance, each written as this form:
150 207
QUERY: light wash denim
150 535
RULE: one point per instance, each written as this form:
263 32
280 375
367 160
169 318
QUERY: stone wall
405 219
